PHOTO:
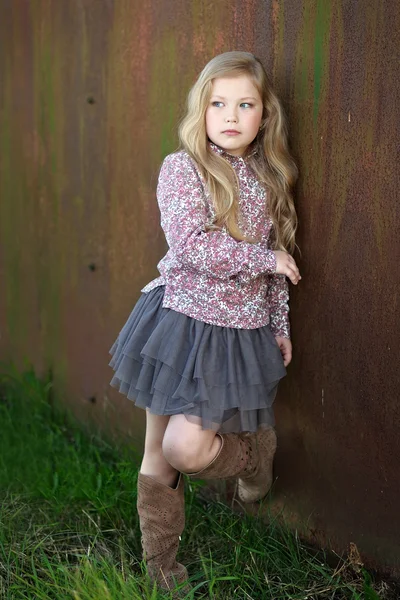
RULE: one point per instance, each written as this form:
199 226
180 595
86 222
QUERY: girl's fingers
287 266
287 357
293 264
287 360
286 351
296 271
293 274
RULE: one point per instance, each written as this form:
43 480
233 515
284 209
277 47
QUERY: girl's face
234 113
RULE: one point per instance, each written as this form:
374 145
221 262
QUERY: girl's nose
231 119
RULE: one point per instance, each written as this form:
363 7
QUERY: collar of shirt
232 158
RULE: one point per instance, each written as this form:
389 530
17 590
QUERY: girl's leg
154 463
211 455
161 508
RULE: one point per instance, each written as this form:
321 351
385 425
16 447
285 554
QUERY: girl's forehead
240 86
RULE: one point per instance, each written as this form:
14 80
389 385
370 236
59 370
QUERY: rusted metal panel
338 408
90 97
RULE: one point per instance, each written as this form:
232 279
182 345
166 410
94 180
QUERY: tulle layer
220 377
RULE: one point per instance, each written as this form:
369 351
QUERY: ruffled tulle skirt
223 378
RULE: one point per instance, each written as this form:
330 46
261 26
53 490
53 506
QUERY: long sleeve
184 217
278 300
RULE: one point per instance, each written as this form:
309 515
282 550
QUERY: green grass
69 529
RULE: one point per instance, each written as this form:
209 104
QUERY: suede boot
161 512
255 486
248 457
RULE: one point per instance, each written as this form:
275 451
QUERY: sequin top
208 275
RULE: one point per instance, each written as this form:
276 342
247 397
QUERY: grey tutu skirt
222 378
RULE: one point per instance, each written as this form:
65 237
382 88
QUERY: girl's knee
182 454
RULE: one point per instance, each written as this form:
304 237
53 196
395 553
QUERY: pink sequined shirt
208 275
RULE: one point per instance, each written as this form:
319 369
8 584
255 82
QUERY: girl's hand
285 346
286 265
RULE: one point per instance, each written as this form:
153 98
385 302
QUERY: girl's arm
184 217
278 300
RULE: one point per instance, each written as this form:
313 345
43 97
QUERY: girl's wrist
272 262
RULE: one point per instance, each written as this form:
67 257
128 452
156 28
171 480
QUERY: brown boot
249 457
162 520
257 485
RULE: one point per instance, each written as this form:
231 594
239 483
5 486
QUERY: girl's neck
249 151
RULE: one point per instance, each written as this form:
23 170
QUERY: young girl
208 341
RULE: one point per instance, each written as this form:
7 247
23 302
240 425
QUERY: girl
208 341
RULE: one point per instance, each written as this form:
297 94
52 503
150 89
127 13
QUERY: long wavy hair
268 154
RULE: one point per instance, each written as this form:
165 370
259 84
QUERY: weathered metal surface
90 96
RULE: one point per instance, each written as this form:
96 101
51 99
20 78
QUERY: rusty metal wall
91 91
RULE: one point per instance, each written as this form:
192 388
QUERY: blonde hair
268 156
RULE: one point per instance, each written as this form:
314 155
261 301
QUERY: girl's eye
246 105
217 103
